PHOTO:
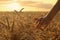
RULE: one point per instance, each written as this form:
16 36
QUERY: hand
42 23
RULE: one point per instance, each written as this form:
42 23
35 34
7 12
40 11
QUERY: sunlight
28 5
13 6
14 0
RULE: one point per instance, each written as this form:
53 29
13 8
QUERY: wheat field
21 26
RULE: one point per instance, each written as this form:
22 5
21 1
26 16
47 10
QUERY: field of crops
21 26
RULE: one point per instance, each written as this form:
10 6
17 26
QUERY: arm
45 21
54 11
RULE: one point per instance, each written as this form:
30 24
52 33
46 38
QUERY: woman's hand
41 23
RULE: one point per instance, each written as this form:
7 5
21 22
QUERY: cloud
26 3
36 4
43 5
2 2
5 0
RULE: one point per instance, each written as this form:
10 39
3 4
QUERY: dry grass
21 26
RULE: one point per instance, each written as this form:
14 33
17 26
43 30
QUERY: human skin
44 22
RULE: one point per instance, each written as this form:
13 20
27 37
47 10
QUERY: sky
28 5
